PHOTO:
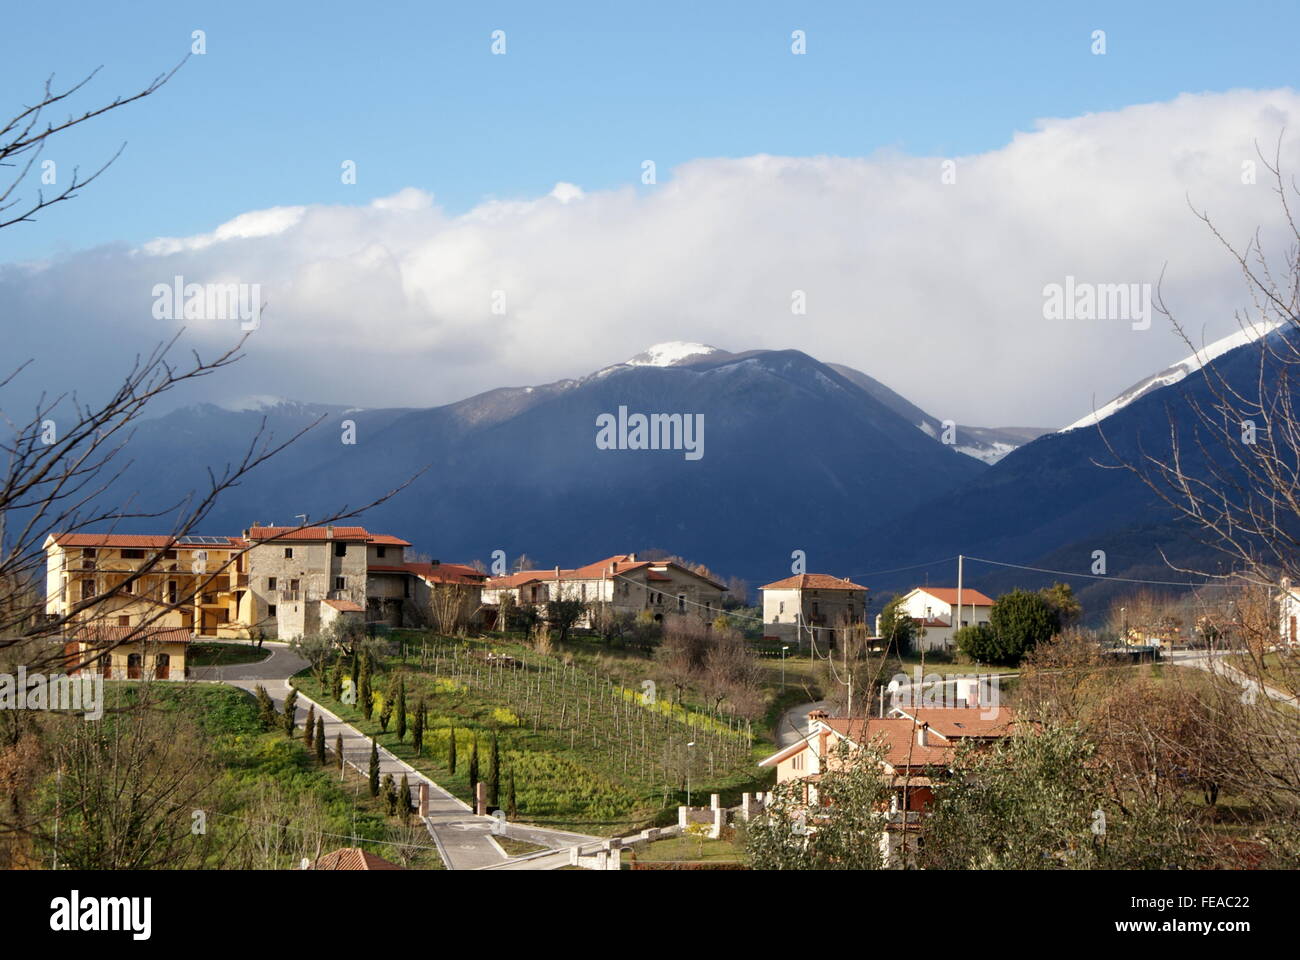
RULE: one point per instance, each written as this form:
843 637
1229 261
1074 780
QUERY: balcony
289 596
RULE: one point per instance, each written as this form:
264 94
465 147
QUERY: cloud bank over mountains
934 288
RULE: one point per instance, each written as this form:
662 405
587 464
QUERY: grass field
585 753
224 654
254 765
689 849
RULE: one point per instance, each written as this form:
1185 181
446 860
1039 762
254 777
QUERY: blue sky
585 93
777 173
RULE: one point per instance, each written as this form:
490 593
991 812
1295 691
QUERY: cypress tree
404 805
494 774
390 794
374 768
290 713
511 808
356 670
473 767
451 751
401 709
320 740
336 681
338 750
364 693
417 729
309 728
266 713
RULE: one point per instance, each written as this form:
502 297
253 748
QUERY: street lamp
783 650
688 772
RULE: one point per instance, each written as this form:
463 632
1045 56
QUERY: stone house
809 607
625 584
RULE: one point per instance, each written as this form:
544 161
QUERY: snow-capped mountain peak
1175 373
670 353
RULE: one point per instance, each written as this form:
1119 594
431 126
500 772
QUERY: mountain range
797 455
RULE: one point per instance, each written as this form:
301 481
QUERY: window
796 762
681 603
782 610
270 609
128 587
288 553
132 554
293 585
89 552
381 552
340 549
171 591
87 589
340 583
169 554
124 621
270 583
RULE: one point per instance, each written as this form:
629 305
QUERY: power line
1102 576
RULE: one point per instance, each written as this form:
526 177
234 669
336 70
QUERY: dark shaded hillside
1053 502
795 457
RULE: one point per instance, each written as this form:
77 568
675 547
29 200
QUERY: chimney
631 558
922 737
814 716
329 532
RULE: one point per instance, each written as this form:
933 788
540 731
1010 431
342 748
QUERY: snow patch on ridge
1174 374
670 353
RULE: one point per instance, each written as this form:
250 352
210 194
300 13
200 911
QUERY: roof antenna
301 516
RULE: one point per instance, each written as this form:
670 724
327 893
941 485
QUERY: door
133 661
163 666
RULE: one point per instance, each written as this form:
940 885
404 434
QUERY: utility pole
957 623
848 677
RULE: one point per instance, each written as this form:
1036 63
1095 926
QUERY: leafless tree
1230 472
23 138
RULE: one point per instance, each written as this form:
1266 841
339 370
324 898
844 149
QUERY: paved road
793 725
1214 662
464 840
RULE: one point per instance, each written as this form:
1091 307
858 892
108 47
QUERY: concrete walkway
464 839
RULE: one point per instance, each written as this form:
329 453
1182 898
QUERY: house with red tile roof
353 858
273 581
809 607
154 582
624 583
915 748
934 609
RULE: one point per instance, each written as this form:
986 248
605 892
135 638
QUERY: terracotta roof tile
813 581
949 595
352 858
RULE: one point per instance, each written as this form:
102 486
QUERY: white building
933 610
1288 603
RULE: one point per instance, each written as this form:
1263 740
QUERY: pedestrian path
465 840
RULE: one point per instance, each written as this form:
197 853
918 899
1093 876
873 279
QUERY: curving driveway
463 838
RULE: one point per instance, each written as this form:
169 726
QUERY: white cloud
934 288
